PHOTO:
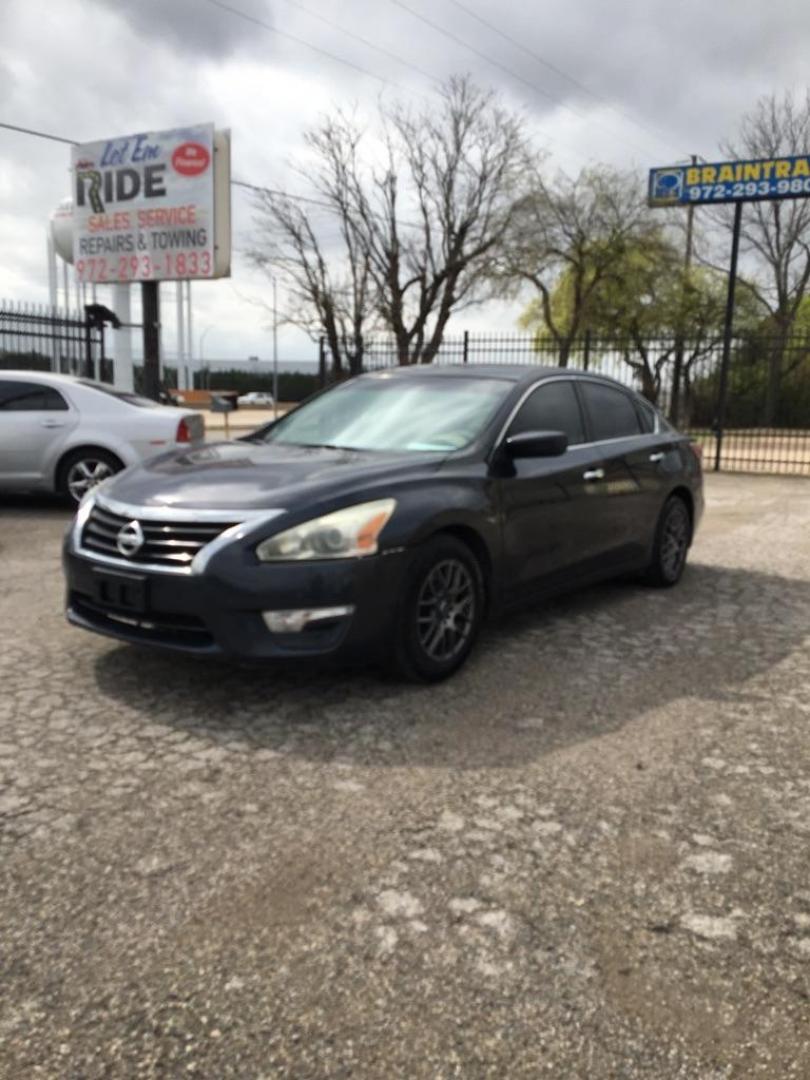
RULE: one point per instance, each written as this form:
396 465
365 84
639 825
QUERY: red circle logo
190 159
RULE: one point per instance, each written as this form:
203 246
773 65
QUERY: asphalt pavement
584 856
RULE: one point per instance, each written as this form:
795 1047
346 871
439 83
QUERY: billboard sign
730 181
153 206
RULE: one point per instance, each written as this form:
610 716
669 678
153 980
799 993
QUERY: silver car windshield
432 413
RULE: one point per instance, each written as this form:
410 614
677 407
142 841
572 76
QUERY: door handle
53 423
659 455
594 474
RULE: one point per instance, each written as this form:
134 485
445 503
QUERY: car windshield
431 413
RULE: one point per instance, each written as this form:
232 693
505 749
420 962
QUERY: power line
234 183
557 70
38 134
495 63
283 194
483 56
300 41
364 41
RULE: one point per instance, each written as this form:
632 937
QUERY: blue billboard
730 181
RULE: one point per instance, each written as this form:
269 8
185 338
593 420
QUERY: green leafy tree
572 231
648 305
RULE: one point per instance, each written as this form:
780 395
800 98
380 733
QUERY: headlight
346 534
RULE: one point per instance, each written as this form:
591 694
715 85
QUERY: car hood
251 476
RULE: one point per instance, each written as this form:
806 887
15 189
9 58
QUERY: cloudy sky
626 82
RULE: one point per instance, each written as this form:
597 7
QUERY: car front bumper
219 612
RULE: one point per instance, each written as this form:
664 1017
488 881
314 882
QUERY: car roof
49 377
524 374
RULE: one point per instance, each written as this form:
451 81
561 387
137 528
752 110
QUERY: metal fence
766 417
39 338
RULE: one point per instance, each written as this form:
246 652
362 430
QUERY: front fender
469 508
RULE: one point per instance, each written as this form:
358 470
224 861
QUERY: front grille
172 544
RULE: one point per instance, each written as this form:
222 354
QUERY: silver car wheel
86 474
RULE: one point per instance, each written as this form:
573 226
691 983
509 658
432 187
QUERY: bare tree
422 211
574 229
777 232
329 286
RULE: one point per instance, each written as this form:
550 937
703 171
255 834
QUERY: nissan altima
386 518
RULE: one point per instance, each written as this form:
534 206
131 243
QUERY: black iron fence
766 426
35 337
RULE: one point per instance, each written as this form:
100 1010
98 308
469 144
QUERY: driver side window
551 407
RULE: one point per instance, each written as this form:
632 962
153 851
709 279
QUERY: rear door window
551 407
29 397
611 412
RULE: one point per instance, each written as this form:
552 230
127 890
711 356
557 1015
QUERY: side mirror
534 444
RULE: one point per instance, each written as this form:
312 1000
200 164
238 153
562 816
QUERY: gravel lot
585 856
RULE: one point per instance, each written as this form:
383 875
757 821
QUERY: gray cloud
683 72
190 26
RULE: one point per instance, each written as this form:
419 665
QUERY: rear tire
673 535
82 470
440 613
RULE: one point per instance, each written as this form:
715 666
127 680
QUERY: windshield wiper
320 446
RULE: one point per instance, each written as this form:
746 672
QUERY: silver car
65 435
256 399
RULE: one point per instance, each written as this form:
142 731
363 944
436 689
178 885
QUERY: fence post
586 355
89 366
675 399
465 349
321 363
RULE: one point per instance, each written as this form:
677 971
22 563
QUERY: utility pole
675 404
204 375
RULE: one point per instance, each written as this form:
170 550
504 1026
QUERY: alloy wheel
674 541
86 474
445 610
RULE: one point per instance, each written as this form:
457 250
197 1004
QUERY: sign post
728 323
152 207
150 304
735 182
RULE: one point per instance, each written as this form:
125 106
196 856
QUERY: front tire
82 470
440 613
673 535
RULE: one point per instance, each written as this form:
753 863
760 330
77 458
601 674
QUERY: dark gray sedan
386 517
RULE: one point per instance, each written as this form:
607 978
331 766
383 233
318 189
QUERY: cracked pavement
584 856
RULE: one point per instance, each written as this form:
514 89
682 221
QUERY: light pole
202 361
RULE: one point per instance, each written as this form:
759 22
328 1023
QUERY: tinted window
552 407
611 412
29 397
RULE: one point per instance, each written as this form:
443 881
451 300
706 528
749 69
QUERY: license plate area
123 592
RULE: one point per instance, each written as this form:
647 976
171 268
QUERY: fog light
293 622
